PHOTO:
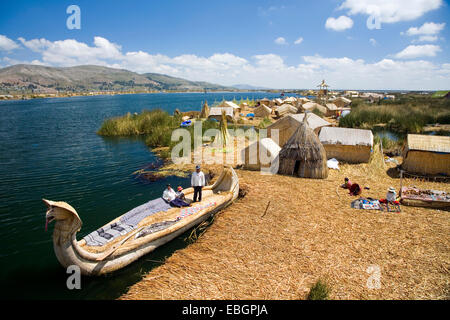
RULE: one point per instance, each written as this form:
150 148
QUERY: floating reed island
295 229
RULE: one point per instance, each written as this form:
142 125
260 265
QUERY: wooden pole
401 182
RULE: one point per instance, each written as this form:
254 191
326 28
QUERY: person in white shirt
198 182
171 197
169 194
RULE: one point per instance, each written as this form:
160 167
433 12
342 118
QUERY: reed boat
126 243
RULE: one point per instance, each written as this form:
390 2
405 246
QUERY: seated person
391 196
354 188
180 194
171 197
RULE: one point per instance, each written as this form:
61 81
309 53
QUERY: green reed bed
156 125
410 117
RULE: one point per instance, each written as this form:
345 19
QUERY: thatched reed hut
290 100
251 155
230 104
264 101
303 155
310 106
205 111
262 111
216 113
346 144
426 154
286 126
285 109
342 102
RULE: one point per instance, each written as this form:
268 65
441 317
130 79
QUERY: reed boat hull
69 251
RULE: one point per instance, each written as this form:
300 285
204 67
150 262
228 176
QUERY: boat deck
209 199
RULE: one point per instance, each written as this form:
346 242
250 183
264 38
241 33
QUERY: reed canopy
303 155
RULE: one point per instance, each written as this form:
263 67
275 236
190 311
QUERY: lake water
49 149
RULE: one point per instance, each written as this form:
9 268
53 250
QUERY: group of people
178 199
355 190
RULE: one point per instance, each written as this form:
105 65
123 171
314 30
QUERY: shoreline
118 93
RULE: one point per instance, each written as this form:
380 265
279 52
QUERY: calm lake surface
49 149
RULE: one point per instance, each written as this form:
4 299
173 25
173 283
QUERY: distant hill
42 79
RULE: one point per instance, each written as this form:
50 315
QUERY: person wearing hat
391 194
198 182
180 193
171 197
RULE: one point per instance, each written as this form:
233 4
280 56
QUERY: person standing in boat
198 182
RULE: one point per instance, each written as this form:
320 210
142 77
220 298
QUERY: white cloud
428 28
340 24
267 70
373 42
413 51
280 40
35 45
299 40
6 44
390 11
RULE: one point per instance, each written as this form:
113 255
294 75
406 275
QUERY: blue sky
231 42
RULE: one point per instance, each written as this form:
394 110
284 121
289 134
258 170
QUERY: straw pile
279 254
205 111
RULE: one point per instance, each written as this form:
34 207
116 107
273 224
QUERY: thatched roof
331 106
284 109
217 111
303 155
421 142
310 106
346 136
262 111
229 104
313 120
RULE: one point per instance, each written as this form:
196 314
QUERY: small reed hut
285 109
262 111
216 113
303 155
346 144
426 154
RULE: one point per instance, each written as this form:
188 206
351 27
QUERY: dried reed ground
309 232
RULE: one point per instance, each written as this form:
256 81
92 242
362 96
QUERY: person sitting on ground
354 188
391 196
171 197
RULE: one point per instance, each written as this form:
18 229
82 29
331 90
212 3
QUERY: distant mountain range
41 79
